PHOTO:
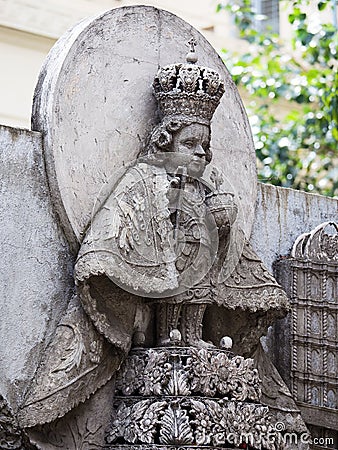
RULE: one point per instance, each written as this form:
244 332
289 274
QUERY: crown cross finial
192 43
191 56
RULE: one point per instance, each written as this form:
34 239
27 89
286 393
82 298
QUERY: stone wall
36 271
282 215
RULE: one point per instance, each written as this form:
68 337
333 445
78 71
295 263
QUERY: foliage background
298 150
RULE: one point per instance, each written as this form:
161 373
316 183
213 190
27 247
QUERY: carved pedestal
184 397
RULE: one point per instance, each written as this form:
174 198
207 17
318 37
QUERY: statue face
192 142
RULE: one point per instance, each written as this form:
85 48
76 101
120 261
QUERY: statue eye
188 144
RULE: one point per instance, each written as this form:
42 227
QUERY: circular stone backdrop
95 107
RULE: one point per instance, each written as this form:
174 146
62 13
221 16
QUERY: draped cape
127 255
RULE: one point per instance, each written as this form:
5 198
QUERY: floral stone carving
165 247
188 371
185 396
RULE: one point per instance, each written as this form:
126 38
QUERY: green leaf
292 140
322 5
335 133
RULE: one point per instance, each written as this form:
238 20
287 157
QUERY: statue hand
223 209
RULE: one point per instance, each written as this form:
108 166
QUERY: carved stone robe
125 259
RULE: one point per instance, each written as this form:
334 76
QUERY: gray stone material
155 230
36 268
95 106
282 215
310 276
36 271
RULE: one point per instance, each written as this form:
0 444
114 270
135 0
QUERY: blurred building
29 28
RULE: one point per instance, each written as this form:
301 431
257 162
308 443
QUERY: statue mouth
197 162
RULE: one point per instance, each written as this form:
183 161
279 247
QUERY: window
267 15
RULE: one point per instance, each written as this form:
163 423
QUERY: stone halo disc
94 105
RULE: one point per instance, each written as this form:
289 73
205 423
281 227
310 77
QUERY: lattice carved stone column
313 268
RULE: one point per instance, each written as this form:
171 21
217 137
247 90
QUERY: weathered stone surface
84 428
184 396
20 147
77 356
12 436
310 274
132 241
35 273
282 215
94 104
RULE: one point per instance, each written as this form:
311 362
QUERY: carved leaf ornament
73 353
203 372
194 397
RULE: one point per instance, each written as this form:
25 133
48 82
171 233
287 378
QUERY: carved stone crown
188 90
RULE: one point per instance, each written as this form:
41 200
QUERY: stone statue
163 262
164 232
164 222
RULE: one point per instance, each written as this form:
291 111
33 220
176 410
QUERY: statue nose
199 151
